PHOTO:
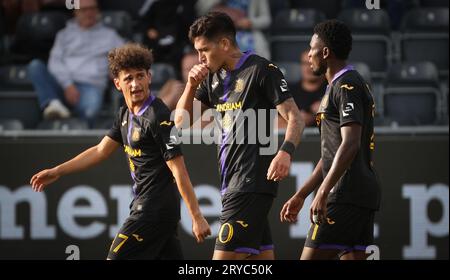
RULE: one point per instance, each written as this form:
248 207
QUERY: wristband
288 147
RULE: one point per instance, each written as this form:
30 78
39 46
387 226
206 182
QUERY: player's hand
200 229
42 179
318 209
197 74
72 95
279 167
291 208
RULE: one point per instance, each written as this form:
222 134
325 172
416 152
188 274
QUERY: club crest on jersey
227 123
136 134
239 86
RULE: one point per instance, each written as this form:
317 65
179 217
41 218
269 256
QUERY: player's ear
149 73
325 52
224 43
116 84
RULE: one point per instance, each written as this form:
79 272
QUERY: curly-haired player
143 128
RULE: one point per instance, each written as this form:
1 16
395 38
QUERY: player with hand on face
233 82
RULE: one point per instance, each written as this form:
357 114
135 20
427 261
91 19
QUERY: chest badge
136 134
324 103
239 86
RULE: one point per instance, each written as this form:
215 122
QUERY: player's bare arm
292 207
85 160
279 168
200 227
186 102
351 140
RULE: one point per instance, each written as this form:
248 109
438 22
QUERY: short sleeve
274 85
201 94
350 104
166 135
114 132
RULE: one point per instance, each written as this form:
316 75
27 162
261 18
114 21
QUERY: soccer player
342 212
143 128
233 82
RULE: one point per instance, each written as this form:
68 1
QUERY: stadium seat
103 123
411 106
161 72
371 38
363 69
20 105
10 124
434 3
291 33
2 39
14 77
291 71
35 33
330 8
119 21
425 37
419 74
131 7
295 21
63 124
412 95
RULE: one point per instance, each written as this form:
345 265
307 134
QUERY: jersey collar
243 58
146 104
342 71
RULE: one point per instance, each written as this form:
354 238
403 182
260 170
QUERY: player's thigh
244 224
141 239
346 227
172 249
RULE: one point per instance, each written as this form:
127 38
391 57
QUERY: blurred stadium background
401 49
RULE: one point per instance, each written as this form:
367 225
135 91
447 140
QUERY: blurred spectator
309 91
250 18
173 89
165 26
77 72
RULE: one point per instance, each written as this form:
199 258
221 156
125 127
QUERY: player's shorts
348 228
244 223
146 239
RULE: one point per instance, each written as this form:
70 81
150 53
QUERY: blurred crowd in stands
53 60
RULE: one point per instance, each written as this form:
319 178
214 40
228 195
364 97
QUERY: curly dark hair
337 36
129 56
213 25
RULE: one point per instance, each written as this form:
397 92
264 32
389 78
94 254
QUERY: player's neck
135 107
334 67
233 60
